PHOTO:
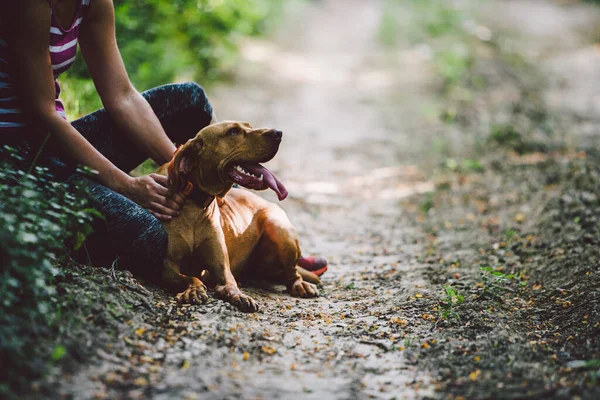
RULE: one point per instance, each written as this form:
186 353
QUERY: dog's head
226 153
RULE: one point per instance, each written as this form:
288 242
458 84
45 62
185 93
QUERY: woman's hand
150 192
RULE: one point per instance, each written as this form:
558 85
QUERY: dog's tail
310 268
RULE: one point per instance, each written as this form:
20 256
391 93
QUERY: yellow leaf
185 365
141 381
140 331
268 349
474 375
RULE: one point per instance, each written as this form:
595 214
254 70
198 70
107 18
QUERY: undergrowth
40 222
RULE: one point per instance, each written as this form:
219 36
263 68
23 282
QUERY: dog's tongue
269 179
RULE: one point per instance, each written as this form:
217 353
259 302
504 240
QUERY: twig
37 155
113 271
87 254
380 345
137 289
434 327
146 304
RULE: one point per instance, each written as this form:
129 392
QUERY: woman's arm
126 107
29 28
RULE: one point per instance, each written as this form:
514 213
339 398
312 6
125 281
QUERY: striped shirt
63 48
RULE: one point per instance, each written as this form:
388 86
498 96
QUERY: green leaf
58 353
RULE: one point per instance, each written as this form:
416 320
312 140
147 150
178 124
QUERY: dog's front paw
302 288
238 299
194 294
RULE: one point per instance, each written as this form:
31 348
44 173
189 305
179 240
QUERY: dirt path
360 145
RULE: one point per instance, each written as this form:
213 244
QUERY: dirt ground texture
452 181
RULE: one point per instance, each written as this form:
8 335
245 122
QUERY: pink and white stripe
63 48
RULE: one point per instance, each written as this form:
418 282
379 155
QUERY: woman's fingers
162 217
179 199
158 188
167 202
161 179
161 209
174 201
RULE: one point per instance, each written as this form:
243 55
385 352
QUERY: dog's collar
191 192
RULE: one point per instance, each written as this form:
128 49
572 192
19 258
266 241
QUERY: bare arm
29 26
126 107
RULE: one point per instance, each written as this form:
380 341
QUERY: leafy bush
40 221
161 41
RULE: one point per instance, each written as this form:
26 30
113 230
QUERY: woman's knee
197 97
182 108
184 95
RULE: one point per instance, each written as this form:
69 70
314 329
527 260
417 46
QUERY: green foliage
40 221
427 203
507 135
431 19
453 64
389 24
496 282
163 41
447 306
463 166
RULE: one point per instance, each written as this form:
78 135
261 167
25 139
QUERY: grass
448 304
496 282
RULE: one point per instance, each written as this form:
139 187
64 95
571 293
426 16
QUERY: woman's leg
129 231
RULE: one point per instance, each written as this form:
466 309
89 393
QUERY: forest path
359 141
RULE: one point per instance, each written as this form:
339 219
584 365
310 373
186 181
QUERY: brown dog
222 232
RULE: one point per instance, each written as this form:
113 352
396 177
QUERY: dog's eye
234 131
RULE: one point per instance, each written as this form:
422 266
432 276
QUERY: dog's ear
185 161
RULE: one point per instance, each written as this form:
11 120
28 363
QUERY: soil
462 263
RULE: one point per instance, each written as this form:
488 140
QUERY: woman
38 41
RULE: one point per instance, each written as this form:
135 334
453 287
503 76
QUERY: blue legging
129 232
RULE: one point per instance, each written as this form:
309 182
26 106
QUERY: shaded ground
454 271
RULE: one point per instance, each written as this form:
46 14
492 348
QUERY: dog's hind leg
278 253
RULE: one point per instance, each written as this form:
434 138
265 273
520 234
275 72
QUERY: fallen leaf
141 381
268 349
474 375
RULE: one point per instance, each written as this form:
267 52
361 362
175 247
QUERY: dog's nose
274 134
